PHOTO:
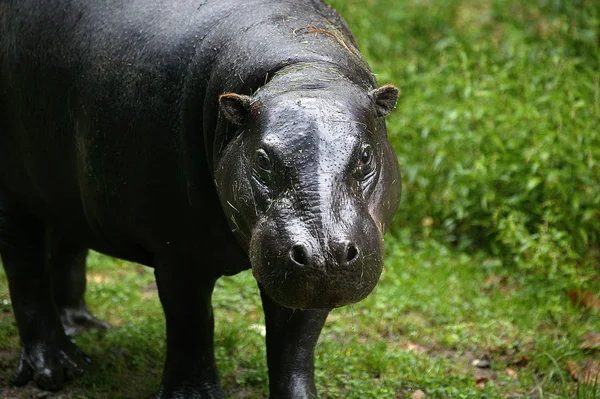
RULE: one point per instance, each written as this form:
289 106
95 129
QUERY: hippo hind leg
47 356
67 265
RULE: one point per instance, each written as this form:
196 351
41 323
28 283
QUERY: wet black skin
200 139
311 187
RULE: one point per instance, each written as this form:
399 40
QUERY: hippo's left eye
262 160
366 155
365 163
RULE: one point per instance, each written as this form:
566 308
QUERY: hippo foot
296 387
75 319
49 365
191 391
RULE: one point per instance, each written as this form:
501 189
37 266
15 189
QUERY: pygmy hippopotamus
199 138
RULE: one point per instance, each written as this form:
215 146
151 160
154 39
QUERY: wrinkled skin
200 140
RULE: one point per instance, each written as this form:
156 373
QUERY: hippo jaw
309 184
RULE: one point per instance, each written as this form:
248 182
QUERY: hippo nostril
351 252
299 254
345 252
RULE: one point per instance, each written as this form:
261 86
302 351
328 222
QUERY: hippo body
200 138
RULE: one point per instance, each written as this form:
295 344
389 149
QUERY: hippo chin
199 138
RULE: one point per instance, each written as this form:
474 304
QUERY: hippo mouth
304 275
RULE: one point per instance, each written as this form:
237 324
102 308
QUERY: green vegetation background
497 134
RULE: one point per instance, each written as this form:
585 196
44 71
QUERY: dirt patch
30 392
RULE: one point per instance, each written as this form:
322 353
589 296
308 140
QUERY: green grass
497 136
434 312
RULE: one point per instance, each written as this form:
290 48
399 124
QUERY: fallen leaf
588 373
493 281
151 286
573 369
591 373
480 382
522 361
98 278
512 373
591 340
586 300
411 347
418 394
498 283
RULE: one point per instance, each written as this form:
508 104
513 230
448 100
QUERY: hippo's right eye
262 160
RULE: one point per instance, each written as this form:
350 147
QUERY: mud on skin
200 141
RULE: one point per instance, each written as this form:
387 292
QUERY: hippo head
309 183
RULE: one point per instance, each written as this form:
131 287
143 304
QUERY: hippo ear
385 99
235 107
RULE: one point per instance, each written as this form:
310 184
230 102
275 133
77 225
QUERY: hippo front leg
190 370
67 263
291 339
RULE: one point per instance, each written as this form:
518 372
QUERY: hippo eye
365 165
366 155
262 160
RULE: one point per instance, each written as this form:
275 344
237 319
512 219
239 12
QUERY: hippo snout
306 255
302 271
